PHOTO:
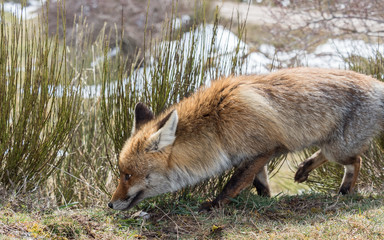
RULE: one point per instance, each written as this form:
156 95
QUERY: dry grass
309 216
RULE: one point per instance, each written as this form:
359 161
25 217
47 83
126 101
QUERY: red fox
245 121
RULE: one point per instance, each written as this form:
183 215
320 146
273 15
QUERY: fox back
238 120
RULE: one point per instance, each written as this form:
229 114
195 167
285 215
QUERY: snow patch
26 12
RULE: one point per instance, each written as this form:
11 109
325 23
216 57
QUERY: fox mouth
135 199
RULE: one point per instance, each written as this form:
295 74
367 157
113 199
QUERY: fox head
144 157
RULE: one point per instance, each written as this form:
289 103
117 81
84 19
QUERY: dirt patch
88 225
14 230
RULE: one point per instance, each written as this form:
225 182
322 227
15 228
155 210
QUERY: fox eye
127 177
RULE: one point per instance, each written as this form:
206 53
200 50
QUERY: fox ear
142 115
166 134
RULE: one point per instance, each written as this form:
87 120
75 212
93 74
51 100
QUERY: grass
282 181
307 216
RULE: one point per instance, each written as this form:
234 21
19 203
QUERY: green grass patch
307 216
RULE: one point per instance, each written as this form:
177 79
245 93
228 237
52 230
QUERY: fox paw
206 206
345 189
301 175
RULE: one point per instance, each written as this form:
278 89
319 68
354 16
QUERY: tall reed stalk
39 102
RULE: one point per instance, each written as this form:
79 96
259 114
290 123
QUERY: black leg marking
261 189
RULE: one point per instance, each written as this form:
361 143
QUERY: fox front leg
351 172
261 183
243 177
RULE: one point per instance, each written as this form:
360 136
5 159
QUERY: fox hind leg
351 170
261 183
314 161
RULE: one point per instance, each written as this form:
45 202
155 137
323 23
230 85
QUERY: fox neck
179 179
188 172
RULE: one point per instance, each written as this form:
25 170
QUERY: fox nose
110 205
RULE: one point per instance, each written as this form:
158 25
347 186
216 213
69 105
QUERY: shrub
39 92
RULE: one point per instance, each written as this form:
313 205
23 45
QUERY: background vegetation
40 103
